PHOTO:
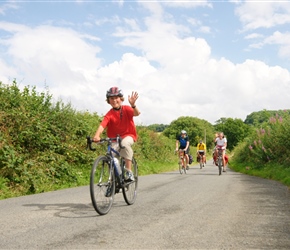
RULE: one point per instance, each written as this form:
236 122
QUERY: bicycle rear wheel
102 185
130 188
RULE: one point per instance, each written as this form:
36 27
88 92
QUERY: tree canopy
235 130
197 129
259 117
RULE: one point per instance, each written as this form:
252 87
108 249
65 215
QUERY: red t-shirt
120 122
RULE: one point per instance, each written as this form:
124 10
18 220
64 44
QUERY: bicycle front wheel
102 185
220 165
180 167
130 188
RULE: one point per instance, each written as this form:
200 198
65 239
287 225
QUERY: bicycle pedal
129 181
108 192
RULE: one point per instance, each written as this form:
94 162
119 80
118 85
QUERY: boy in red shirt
119 121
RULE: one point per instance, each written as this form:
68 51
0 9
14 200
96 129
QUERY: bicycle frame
109 153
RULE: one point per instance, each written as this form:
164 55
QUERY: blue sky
207 59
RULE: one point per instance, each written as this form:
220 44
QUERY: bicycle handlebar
178 150
109 140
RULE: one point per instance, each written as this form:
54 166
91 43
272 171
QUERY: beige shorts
127 151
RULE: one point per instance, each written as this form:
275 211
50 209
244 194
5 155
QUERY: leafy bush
41 144
153 147
272 143
265 152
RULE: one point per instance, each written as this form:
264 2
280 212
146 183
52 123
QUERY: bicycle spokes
102 185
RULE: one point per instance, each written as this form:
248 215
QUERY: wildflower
255 142
280 119
250 147
272 120
264 148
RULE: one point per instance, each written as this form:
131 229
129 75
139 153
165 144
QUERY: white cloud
187 3
253 36
174 73
46 55
277 38
194 21
205 29
7 6
282 39
263 14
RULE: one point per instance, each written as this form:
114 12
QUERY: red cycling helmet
114 91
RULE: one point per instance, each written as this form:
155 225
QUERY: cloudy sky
207 59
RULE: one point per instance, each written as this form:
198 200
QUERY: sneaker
129 175
187 167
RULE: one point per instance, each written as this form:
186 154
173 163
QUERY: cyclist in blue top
182 142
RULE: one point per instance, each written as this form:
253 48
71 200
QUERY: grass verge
269 171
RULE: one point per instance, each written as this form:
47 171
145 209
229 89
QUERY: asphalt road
200 210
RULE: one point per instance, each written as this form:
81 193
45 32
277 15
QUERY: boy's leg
127 151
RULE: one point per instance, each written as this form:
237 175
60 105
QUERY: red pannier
226 158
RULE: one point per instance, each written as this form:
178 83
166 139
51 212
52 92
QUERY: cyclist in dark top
182 142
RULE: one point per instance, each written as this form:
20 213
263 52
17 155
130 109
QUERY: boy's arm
132 99
98 133
136 110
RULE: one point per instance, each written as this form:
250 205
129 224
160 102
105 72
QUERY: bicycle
182 161
220 159
201 163
106 179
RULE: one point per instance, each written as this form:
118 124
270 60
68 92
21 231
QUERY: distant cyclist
182 142
201 151
221 142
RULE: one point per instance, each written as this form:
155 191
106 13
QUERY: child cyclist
119 121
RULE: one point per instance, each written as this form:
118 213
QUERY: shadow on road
67 210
